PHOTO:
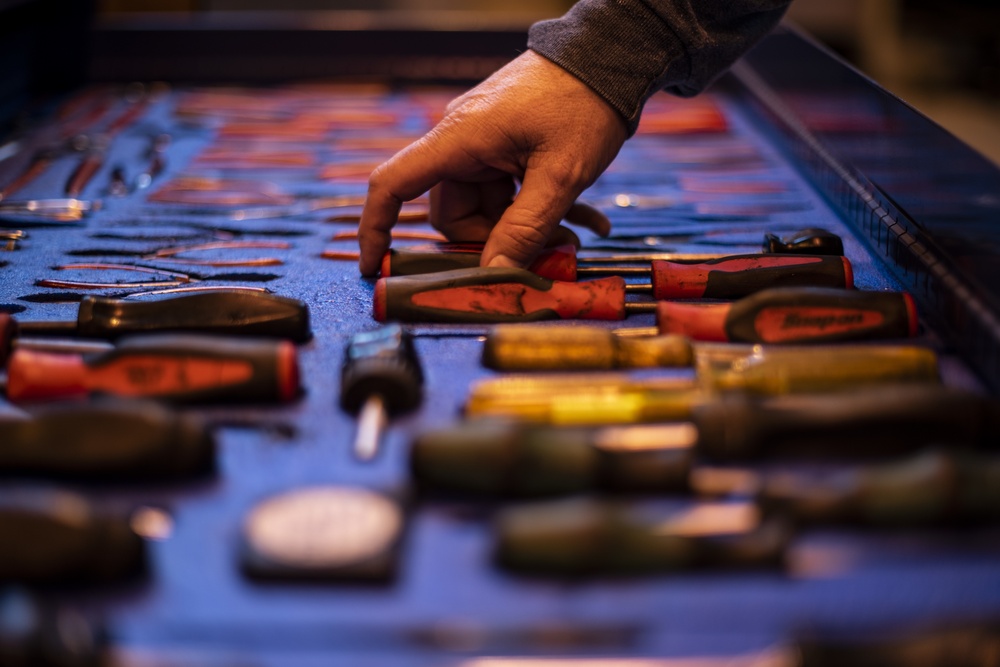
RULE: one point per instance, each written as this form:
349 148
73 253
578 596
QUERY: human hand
531 122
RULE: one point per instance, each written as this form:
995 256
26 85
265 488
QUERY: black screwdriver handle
58 537
383 362
224 312
107 440
877 422
810 241
971 645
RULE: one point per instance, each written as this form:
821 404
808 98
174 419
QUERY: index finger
405 176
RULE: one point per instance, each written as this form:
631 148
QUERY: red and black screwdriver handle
561 262
794 315
493 295
175 368
740 275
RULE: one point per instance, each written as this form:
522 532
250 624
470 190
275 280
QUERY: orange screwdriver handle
557 263
794 315
741 275
180 369
492 295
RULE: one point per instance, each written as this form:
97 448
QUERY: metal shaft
371 422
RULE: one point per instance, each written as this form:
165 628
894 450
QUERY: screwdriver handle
56 536
586 537
383 362
809 241
794 315
534 347
493 295
225 312
101 440
557 263
881 421
965 645
931 489
176 368
740 275
8 329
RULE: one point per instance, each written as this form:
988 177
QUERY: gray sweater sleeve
628 49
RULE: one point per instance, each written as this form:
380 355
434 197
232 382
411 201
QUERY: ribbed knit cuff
620 48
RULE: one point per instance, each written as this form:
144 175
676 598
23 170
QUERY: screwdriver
226 312
724 277
583 537
173 367
540 347
561 263
381 377
792 315
54 536
107 440
934 488
511 458
621 400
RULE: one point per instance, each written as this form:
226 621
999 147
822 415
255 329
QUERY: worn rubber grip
557 263
810 241
176 368
795 315
226 312
56 536
493 295
741 275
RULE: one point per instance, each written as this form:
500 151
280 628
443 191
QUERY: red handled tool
564 263
491 295
177 368
794 315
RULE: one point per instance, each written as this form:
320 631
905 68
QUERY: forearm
626 50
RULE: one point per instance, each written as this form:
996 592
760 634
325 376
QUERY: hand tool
156 161
172 367
934 488
107 440
49 210
729 428
226 312
490 295
10 238
170 254
793 315
54 536
564 262
381 376
585 537
33 634
508 458
326 532
758 369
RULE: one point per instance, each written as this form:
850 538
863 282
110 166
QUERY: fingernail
503 262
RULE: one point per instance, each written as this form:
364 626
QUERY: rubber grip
226 312
8 329
493 295
107 440
795 315
887 421
741 275
557 263
810 241
180 369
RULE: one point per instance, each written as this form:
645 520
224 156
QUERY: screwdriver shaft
371 422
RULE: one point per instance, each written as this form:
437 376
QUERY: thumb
525 227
